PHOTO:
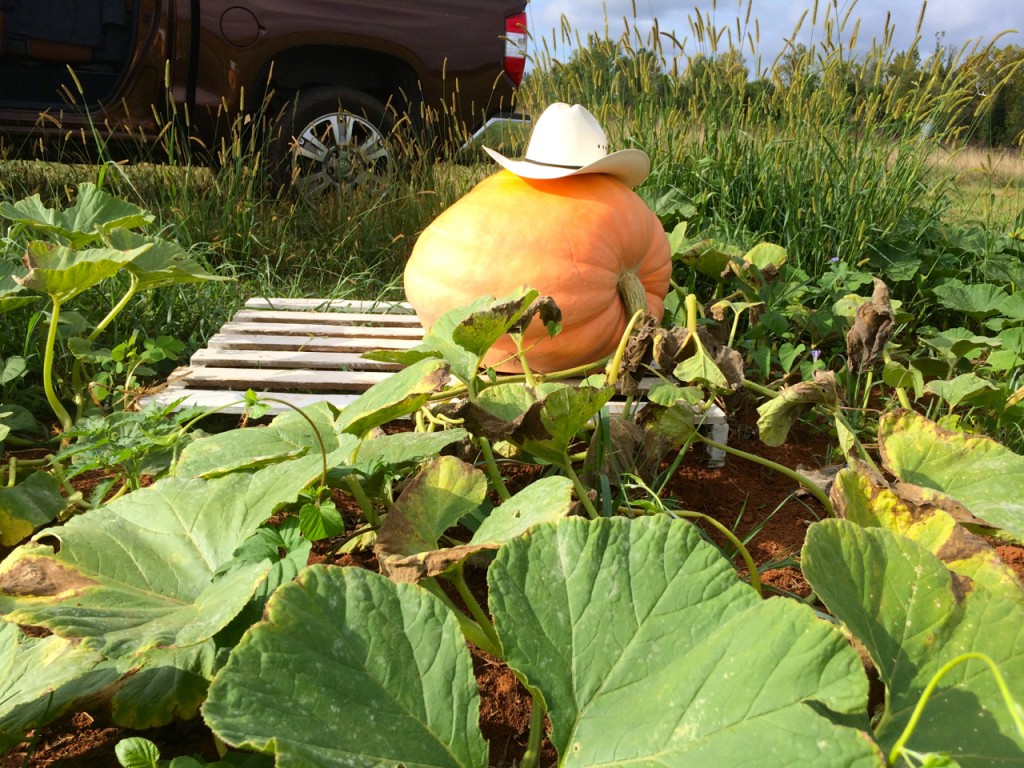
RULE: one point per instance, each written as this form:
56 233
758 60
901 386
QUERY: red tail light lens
515 47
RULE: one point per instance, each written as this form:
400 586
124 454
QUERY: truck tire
332 139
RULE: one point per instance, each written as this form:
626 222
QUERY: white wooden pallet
308 350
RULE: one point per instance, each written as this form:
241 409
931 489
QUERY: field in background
988 187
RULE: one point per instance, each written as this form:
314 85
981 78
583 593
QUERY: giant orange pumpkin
584 240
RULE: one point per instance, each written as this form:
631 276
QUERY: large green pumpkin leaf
442 493
39 678
141 573
963 387
922 515
164 262
398 395
543 420
707 256
394 451
955 344
445 491
479 330
439 343
549 427
26 506
508 403
119 613
162 685
913 617
542 501
978 300
766 256
80 224
378 457
648 650
348 669
976 471
289 436
440 340
63 273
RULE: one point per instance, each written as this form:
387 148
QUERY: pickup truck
339 74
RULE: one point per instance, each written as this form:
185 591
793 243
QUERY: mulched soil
752 501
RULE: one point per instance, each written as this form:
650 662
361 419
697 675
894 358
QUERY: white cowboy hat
568 141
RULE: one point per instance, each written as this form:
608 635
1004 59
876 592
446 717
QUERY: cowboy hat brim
630 166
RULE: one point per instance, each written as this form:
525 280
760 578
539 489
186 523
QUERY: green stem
491 467
901 395
365 504
14 464
760 389
527 373
870 378
814 490
915 716
735 327
51 396
458 579
133 288
755 577
470 629
581 489
531 759
861 450
209 412
78 369
612 372
57 469
691 313
118 493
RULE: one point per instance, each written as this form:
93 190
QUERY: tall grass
824 152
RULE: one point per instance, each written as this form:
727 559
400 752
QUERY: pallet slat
326 318
330 305
319 330
273 358
257 341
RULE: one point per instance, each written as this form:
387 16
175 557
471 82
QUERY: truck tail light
515 47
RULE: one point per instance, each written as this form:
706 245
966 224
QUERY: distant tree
1007 111
796 65
903 74
995 116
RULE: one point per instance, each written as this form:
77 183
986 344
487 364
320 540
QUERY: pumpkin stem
632 291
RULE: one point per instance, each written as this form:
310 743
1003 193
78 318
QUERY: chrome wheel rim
335 152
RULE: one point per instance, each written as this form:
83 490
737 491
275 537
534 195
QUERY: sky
961 21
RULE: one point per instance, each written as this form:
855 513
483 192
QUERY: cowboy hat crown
568 141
